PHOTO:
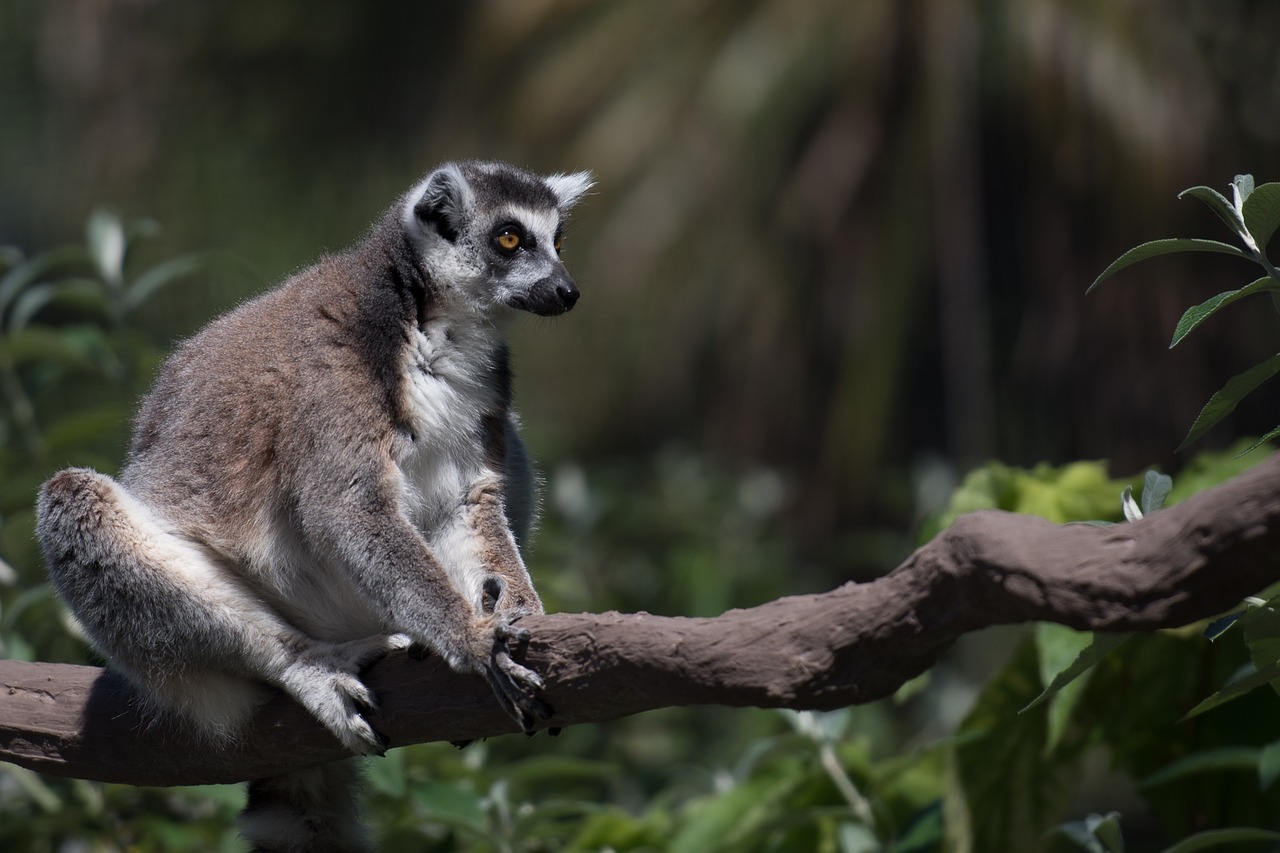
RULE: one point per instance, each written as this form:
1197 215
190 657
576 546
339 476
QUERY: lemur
325 474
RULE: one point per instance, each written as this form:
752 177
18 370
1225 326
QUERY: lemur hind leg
198 639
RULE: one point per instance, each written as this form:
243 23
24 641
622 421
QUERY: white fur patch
569 188
448 373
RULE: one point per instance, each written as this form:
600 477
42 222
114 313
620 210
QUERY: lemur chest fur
449 387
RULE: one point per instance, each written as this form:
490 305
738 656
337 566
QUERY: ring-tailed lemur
330 472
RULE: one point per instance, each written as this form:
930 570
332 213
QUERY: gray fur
328 473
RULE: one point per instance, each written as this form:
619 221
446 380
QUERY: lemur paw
517 687
325 680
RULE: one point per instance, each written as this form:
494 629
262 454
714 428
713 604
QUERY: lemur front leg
434 591
506 594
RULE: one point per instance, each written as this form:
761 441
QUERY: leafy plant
1253 215
1020 752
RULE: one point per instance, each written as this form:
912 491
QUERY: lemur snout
551 296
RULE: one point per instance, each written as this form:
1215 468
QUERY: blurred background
836 255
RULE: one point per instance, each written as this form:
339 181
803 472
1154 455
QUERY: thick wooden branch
855 644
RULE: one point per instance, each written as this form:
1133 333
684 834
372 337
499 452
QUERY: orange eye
508 241
559 242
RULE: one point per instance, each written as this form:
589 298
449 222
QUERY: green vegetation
1253 215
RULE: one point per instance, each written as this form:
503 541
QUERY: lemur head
490 233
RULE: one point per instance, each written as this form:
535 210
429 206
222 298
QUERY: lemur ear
569 189
444 200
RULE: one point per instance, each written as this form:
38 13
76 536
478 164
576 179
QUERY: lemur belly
448 385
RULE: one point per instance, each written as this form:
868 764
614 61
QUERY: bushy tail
309 810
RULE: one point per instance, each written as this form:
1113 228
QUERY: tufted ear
443 201
569 189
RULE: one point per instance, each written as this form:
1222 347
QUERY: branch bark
855 644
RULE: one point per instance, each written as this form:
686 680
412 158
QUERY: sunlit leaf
1132 512
1218 204
1225 401
1197 314
105 236
1169 246
1242 186
1262 213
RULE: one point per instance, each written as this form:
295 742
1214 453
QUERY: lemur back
328 473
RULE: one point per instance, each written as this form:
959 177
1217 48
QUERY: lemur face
492 234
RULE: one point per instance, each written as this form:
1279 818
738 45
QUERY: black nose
568 293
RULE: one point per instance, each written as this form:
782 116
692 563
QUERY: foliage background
836 258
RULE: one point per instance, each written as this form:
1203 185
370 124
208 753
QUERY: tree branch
852 645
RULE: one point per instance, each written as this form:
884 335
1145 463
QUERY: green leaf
1262 213
387 774
1218 204
1107 829
726 821
63 346
1268 765
1220 626
540 770
1168 246
1005 789
83 292
1243 185
1155 490
1215 837
1222 758
1236 688
1262 636
1096 833
1197 314
1090 648
1059 647
52 264
1270 435
450 804
34 787
1225 401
